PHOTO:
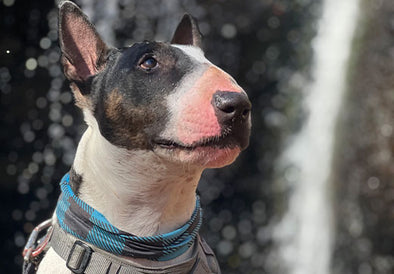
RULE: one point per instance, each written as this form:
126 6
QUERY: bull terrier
158 114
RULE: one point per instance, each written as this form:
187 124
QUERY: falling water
103 14
304 235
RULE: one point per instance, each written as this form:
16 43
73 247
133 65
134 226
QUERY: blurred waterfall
103 14
304 236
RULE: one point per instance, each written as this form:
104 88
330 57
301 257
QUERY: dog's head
162 97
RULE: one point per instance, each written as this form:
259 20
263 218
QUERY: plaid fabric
84 222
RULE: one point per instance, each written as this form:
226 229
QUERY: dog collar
87 224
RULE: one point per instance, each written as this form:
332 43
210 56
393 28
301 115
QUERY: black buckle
79 264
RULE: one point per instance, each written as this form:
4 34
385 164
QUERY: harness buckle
79 257
35 247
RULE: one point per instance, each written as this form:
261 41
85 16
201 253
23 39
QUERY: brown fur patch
81 101
126 122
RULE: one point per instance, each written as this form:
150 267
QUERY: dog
158 114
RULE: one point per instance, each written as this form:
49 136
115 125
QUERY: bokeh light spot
45 43
31 64
8 3
228 31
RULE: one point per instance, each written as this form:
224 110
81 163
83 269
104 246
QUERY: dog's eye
148 63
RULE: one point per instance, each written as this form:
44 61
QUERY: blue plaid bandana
84 222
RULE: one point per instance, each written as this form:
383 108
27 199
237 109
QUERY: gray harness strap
84 258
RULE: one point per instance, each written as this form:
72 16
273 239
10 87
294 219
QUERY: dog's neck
135 190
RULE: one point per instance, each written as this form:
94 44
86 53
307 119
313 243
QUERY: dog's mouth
221 141
208 152
225 140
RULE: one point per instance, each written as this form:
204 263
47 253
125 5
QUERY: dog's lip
212 141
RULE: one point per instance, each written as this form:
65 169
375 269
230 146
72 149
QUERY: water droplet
8 3
229 232
228 31
41 193
19 239
30 215
66 97
54 57
37 157
246 250
31 64
17 214
23 188
67 120
43 61
55 71
225 247
272 53
37 124
33 168
5 75
49 158
29 136
373 183
11 169
245 227
273 22
41 102
55 115
45 43
215 224
35 206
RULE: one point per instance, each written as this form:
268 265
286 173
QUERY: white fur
194 52
137 191
173 105
197 54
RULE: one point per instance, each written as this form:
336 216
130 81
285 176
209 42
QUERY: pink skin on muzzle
196 118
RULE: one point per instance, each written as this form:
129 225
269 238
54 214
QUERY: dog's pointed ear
83 51
187 32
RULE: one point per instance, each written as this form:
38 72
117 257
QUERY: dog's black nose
231 107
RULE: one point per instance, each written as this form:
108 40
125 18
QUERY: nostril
224 104
231 105
245 113
228 109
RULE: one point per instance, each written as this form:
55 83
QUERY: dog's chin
201 156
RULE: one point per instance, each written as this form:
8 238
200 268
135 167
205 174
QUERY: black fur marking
130 102
187 32
75 181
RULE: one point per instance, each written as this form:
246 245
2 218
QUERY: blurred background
313 193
